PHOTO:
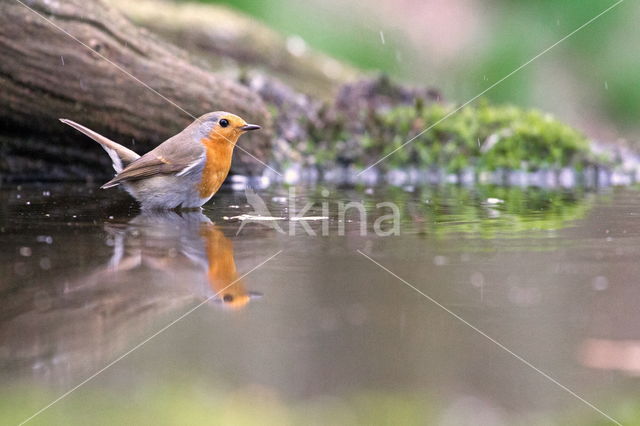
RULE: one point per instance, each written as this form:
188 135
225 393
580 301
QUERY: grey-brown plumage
185 170
172 156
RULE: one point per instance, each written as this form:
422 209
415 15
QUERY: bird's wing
171 157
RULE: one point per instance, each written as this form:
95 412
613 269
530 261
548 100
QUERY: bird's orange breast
222 273
217 165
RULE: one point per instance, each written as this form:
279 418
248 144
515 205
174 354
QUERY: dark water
525 308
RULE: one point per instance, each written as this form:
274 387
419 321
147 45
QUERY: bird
184 171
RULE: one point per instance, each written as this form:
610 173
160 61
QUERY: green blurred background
464 46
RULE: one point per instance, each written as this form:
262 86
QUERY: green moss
453 211
487 137
482 136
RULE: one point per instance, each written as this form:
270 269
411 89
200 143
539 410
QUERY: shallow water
491 306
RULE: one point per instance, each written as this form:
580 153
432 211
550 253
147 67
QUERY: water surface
283 327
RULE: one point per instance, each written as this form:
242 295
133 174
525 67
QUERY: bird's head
236 299
222 126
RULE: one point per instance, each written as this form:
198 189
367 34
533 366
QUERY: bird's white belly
168 192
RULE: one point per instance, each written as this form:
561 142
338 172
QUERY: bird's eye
224 122
227 297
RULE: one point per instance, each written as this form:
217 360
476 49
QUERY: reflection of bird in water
222 269
176 243
67 327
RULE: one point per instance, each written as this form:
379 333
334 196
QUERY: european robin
182 172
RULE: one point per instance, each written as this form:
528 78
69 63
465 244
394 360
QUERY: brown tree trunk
45 74
66 59
230 41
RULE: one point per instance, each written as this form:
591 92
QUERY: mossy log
45 74
225 61
315 111
231 42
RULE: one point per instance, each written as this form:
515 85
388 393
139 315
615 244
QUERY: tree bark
45 74
139 89
230 41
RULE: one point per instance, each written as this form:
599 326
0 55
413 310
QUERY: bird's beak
248 127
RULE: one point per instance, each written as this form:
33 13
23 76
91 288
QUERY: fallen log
47 71
231 42
116 68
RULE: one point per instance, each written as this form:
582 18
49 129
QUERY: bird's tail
120 156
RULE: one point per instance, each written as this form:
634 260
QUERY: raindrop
477 279
382 37
296 45
25 251
600 283
440 260
62 60
47 239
